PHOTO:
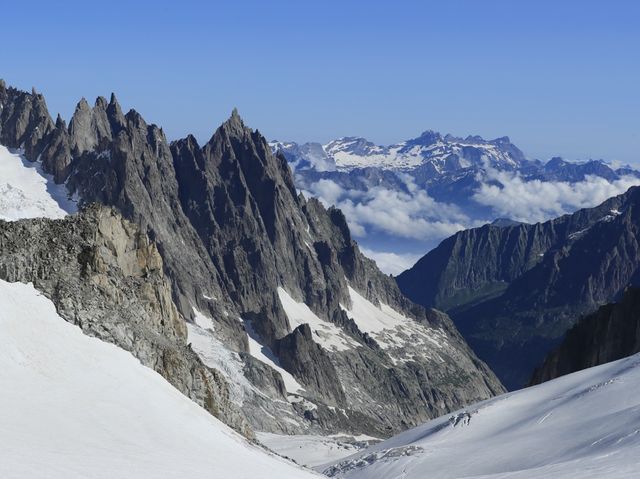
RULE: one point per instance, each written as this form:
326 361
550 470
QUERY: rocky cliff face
609 334
276 293
106 277
514 291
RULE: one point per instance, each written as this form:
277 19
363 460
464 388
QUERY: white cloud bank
414 215
510 196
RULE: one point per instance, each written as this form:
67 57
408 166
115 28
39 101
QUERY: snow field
584 425
76 407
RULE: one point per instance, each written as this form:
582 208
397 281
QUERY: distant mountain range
431 152
405 198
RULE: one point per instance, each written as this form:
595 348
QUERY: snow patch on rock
214 354
392 330
326 334
264 354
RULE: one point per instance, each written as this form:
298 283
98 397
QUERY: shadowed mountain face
514 291
334 345
609 334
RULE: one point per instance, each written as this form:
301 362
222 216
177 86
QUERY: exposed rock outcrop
609 334
105 276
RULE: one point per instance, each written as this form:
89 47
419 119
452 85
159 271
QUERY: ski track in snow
74 407
27 192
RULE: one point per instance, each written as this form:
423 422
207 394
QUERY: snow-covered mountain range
401 200
431 151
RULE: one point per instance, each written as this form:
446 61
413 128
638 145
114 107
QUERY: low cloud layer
413 215
510 196
419 222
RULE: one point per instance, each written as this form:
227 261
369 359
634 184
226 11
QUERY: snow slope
75 407
315 451
585 425
27 192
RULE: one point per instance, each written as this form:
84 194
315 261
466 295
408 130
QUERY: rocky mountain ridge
514 291
276 294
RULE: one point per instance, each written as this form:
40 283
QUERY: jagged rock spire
234 123
60 123
92 128
82 105
115 115
80 128
101 103
26 120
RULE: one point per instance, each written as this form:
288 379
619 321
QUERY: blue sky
557 77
